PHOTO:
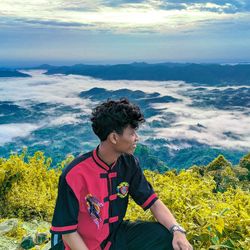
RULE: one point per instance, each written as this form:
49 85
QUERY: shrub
213 220
218 163
28 187
245 163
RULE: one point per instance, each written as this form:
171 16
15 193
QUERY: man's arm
75 241
163 214
165 217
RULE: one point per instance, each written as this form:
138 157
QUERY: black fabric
67 207
128 170
140 189
142 235
58 246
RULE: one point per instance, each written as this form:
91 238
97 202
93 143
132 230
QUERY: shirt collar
100 162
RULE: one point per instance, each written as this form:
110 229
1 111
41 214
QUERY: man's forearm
165 217
163 214
75 241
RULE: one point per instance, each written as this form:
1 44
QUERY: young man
93 192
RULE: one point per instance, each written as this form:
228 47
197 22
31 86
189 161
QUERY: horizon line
27 64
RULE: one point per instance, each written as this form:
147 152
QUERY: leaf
220 247
229 243
220 225
224 211
215 239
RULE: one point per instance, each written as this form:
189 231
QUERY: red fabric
61 229
108 245
113 175
113 219
87 190
113 197
85 179
149 200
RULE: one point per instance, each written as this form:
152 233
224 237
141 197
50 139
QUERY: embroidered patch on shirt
122 189
94 208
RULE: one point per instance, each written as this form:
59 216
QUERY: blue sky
105 31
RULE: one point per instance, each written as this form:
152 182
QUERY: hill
212 202
12 73
212 74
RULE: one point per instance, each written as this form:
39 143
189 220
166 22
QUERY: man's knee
148 235
162 231
164 237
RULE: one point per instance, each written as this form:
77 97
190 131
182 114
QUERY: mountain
51 113
212 74
12 73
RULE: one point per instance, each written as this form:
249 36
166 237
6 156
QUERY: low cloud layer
9 132
207 125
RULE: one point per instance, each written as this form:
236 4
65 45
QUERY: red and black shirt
93 197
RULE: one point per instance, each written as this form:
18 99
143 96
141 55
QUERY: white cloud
9 132
216 122
63 120
128 17
211 7
52 89
64 90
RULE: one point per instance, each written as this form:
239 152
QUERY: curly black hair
115 116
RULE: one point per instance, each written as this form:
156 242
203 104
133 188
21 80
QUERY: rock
27 242
41 238
37 235
8 225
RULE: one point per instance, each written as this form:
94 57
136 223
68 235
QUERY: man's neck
107 154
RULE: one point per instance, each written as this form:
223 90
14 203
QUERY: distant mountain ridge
212 74
12 73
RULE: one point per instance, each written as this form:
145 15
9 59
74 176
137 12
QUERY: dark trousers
139 235
142 235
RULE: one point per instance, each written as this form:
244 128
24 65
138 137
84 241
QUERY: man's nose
136 137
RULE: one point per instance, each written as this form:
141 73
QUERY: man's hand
165 217
180 242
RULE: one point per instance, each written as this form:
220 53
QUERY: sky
63 32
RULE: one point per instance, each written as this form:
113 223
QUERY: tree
245 161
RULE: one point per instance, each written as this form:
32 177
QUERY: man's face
127 141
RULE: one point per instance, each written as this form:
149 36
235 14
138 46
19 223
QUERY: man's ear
113 137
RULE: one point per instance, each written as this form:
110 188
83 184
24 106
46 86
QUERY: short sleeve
65 218
140 189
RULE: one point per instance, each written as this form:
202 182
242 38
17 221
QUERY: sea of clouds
215 125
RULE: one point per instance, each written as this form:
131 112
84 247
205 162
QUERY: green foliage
241 173
27 188
224 174
245 161
148 159
213 220
65 162
212 202
199 155
218 163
